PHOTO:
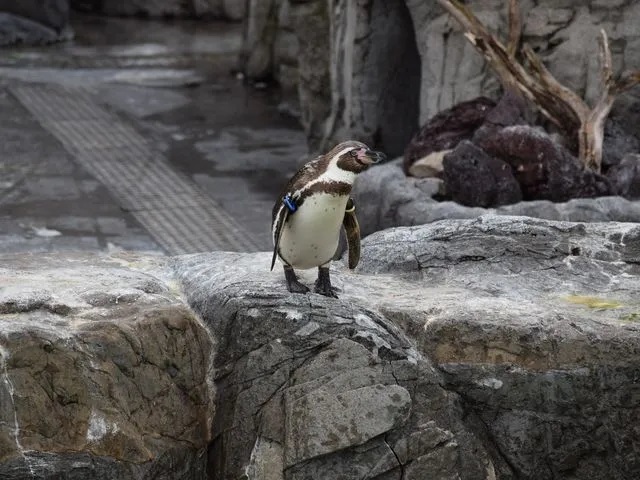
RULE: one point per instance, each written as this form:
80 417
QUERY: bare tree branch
563 107
605 61
515 29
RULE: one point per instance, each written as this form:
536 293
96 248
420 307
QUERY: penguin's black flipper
278 226
352 229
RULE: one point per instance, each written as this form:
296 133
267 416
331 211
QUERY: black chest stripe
331 188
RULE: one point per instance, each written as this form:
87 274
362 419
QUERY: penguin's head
356 157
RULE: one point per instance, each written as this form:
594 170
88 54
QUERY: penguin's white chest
311 234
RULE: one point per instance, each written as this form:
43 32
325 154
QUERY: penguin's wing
352 229
291 191
277 227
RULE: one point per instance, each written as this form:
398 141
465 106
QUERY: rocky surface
103 371
536 330
319 388
495 348
34 22
386 198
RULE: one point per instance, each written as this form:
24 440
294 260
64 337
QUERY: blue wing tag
289 202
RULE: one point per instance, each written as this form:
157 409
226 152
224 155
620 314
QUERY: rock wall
496 348
388 65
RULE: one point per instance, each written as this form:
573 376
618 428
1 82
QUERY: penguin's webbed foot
323 283
293 284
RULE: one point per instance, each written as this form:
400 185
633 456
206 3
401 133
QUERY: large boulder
103 371
537 330
311 387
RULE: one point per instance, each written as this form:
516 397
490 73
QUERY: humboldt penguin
310 211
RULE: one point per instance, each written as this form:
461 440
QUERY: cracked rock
323 422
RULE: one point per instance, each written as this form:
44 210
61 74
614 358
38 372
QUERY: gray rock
528 343
286 48
103 371
330 387
386 116
311 22
432 187
380 192
375 87
323 422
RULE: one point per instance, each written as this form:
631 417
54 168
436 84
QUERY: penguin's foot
293 284
323 283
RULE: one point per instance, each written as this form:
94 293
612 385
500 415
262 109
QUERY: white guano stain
98 427
493 383
4 356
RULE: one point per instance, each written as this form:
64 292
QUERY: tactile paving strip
169 205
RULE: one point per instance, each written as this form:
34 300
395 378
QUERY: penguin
312 208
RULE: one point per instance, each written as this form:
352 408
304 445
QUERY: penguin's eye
354 153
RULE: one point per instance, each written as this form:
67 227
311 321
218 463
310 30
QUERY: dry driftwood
522 70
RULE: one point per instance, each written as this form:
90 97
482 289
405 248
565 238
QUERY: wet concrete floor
171 82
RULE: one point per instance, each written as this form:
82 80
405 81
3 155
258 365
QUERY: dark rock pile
494 157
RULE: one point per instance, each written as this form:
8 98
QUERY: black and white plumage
311 209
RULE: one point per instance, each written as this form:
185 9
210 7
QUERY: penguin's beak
374 157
